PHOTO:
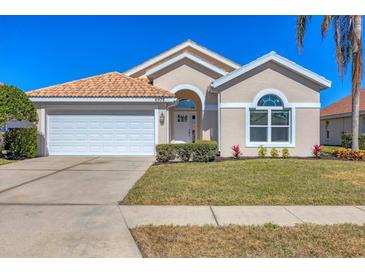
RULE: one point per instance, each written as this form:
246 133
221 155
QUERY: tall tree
348 41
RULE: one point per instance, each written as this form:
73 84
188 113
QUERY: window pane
258 117
280 117
185 103
270 100
280 134
258 134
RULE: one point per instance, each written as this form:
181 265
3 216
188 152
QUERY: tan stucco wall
189 73
163 128
245 88
336 127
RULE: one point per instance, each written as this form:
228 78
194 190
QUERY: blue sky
38 51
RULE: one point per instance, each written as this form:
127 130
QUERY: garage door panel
101 133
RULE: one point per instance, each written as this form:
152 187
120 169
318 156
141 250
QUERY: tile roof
343 106
113 84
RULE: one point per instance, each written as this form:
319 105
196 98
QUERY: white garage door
101 133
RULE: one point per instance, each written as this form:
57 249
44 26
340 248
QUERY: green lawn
4 161
315 241
252 182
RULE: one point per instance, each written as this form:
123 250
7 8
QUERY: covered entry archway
186 115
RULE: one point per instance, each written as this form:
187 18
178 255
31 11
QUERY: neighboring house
185 94
336 119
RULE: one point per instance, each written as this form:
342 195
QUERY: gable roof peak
180 47
275 57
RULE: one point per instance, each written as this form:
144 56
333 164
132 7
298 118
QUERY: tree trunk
356 78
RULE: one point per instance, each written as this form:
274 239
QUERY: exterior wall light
162 118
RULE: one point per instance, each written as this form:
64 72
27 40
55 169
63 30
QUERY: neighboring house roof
113 84
178 48
343 107
274 57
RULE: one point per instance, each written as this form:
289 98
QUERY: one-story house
336 119
184 94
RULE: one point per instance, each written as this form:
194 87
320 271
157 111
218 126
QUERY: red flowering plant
317 151
236 150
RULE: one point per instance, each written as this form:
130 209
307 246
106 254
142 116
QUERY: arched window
270 122
270 100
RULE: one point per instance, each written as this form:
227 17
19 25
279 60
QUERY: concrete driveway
67 206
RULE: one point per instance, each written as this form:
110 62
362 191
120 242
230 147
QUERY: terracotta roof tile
113 84
343 106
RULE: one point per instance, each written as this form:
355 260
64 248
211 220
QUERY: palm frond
302 22
343 42
326 23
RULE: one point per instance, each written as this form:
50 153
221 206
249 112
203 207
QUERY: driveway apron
67 206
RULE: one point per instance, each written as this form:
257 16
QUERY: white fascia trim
177 49
187 56
273 56
100 107
289 105
102 100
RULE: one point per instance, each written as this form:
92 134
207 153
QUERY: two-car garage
100 132
107 114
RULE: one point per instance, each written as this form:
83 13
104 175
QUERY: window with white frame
270 121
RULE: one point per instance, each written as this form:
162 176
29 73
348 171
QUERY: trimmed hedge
21 142
346 141
200 151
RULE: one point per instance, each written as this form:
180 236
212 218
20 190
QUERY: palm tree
347 36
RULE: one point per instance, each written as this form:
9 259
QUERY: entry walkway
241 215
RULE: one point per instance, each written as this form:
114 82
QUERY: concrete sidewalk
241 215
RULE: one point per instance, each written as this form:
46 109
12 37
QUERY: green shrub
262 151
21 142
184 151
200 151
15 105
346 141
204 151
164 153
285 153
274 153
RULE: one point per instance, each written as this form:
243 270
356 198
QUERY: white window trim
292 120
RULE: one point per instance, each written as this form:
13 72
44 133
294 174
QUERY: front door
183 126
